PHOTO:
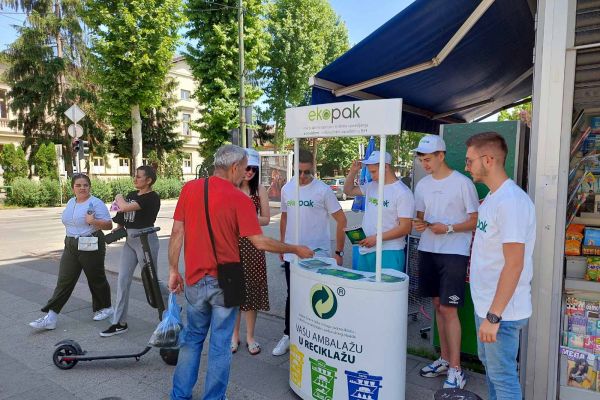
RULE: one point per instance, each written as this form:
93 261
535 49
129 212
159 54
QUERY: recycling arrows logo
323 300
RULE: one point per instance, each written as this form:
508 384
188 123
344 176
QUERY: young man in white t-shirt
446 202
501 264
317 202
398 211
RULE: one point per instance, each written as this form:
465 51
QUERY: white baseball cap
374 158
430 144
253 158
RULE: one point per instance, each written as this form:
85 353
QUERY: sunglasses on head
252 168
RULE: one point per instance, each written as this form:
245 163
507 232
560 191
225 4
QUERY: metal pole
379 241
242 95
297 190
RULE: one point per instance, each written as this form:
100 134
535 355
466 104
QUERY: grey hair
229 155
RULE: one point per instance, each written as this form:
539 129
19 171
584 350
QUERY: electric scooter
68 352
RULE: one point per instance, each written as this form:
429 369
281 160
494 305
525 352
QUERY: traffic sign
75 130
74 113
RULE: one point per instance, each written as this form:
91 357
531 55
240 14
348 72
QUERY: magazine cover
581 369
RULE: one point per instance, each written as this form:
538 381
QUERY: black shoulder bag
230 275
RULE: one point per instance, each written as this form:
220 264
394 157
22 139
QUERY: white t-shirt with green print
398 202
317 203
505 216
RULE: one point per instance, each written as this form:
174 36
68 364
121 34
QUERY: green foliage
168 188
132 45
102 189
24 193
121 186
167 167
49 192
13 163
159 127
336 155
305 35
401 147
46 165
214 60
520 112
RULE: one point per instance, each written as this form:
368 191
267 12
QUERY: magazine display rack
580 345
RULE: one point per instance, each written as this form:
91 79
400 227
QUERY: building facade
112 166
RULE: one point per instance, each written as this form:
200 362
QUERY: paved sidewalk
27 371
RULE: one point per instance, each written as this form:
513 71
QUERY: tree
43 68
159 126
337 155
132 46
521 112
305 35
45 161
213 58
13 163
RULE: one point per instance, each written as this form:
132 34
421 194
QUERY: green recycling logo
324 302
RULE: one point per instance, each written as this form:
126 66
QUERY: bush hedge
47 192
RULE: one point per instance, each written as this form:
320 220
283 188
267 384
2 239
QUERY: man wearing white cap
446 203
398 210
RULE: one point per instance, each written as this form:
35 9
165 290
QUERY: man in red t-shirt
232 215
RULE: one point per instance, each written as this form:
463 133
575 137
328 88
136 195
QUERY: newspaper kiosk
347 329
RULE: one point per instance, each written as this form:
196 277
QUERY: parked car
337 185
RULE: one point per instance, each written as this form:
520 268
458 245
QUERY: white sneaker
45 322
282 347
456 379
103 314
436 368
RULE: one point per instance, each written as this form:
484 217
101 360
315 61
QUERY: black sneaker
114 330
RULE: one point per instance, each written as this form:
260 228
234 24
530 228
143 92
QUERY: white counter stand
348 337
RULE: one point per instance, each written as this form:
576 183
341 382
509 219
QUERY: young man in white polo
446 202
398 211
501 264
317 202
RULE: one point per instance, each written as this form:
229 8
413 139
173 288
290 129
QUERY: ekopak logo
331 114
323 301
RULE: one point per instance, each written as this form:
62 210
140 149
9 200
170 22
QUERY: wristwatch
493 318
339 253
450 229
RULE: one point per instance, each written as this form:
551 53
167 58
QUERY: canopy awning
451 61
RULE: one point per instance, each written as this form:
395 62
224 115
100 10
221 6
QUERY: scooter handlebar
146 231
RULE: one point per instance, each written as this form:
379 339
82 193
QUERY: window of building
123 162
98 162
185 94
185 124
187 161
3 104
145 161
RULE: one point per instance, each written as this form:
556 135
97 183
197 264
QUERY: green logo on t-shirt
482 225
374 201
303 203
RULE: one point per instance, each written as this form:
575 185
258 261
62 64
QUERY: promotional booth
347 328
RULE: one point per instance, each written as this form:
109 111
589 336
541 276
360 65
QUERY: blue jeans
205 308
500 360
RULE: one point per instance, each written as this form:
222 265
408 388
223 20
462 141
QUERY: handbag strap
210 231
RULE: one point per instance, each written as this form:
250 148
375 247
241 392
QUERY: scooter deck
91 356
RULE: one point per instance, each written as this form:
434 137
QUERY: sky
361 16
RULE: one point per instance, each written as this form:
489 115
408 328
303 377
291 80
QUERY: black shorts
443 276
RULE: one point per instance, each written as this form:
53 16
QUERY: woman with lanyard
84 218
137 211
253 260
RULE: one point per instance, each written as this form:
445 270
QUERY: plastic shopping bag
167 332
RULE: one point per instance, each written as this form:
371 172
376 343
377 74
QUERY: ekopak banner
353 118
345 338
